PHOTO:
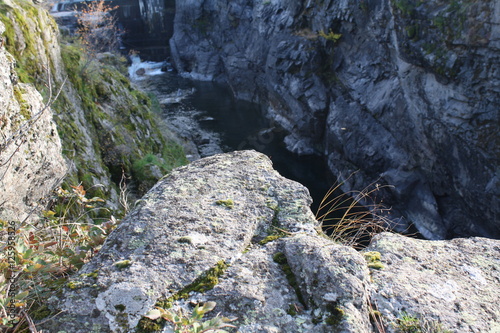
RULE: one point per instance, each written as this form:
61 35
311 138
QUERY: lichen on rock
182 205
454 283
178 248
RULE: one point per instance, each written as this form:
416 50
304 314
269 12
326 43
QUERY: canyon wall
405 91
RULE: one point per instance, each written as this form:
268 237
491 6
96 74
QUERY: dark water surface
239 125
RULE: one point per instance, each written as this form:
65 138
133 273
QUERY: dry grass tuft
353 218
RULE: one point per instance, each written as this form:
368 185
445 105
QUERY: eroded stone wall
405 91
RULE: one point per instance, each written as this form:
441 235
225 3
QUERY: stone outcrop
230 229
105 125
449 282
405 91
31 162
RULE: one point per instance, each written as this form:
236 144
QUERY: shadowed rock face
409 94
216 214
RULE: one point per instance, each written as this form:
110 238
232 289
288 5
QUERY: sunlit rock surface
234 221
31 161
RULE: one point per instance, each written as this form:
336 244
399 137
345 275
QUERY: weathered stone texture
105 125
452 282
194 218
221 209
31 162
333 279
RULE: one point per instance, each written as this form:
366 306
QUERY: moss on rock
281 259
373 259
124 132
203 283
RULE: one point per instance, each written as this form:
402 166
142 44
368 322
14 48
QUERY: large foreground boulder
230 229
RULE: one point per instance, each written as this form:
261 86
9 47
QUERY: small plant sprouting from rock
352 218
226 203
408 323
184 323
331 36
201 284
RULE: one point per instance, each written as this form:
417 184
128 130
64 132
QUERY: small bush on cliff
98 31
331 36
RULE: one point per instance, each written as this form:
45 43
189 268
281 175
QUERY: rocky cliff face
406 91
31 161
106 126
230 229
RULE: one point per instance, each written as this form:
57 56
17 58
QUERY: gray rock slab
196 217
221 209
255 291
333 280
455 283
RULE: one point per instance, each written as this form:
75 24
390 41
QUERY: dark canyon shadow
239 125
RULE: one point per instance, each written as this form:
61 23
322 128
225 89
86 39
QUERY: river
207 114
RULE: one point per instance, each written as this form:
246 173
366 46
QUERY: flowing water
207 114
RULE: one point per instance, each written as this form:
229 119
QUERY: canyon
406 92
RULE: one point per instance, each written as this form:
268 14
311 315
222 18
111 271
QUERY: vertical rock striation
105 126
31 162
409 94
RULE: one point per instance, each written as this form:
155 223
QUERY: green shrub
184 323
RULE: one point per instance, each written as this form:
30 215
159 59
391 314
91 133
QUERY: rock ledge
219 212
